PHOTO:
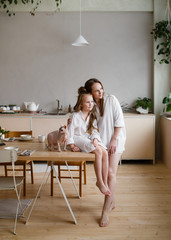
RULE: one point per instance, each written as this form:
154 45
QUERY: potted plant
167 102
6 5
143 105
2 132
162 35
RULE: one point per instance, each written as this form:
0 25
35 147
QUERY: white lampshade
80 41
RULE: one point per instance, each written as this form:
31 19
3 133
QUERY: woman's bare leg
98 171
109 202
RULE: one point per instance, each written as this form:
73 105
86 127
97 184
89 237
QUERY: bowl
25 137
11 148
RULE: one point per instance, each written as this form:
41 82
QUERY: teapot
31 106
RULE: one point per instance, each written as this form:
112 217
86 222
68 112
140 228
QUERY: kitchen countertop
43 115
34 115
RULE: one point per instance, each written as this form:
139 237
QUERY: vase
2 139
142 110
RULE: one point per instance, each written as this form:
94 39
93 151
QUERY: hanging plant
162 35
7 4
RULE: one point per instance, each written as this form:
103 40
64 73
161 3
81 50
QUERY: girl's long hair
88 86
78 106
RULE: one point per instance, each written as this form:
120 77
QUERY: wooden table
42 154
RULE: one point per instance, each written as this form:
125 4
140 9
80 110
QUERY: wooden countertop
42 115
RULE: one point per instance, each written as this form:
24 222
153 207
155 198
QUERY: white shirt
112 117
78 134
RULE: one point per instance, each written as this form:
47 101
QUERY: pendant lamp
80 41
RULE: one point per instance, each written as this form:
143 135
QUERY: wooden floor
143 208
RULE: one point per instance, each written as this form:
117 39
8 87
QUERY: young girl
84 136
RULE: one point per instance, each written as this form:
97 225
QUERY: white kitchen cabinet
140 143
43 126
16 123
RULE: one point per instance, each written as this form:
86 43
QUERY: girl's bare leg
105 167
109 202
98 171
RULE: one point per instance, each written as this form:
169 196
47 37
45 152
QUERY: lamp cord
80 17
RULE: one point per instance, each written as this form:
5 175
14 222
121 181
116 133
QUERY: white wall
38 63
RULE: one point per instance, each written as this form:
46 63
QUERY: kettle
31 106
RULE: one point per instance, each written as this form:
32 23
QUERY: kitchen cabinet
165 134
43 126
140 143
140 130
39 124
16 123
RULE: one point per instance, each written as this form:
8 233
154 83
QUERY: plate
24 139
11 148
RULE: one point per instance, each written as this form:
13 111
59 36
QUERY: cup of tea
41 138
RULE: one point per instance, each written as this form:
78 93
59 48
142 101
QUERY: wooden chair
20 163
81 168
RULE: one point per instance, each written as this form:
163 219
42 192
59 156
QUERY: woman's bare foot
104 221
103 188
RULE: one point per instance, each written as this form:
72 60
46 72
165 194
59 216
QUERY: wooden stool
81 169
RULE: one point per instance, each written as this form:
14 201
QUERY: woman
111 126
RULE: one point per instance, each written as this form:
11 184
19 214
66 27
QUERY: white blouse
112 117
78 134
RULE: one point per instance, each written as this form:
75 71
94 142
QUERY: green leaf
165 100
169 95
168 109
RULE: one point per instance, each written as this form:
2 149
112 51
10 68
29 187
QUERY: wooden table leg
32 176
85 179
52 182
24 182
80 180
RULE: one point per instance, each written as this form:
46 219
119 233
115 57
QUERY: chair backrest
8 156
17 133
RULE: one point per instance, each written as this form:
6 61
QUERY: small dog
56 138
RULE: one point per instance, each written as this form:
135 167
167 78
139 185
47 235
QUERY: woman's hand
95 142
112 146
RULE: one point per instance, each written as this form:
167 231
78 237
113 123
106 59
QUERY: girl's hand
95 142
74 148
69 121
112 146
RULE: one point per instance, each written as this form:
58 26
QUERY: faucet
58 106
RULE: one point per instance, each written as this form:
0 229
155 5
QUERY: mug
41 138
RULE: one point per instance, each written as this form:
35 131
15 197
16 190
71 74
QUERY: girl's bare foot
112 206
104 221
103 188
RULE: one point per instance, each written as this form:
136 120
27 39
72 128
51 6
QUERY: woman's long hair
78 106
88 86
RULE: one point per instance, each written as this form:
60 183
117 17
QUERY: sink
54 113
